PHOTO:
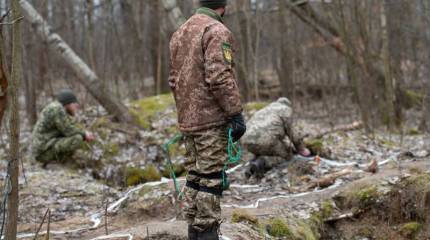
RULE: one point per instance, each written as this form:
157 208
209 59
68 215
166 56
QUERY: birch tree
85 75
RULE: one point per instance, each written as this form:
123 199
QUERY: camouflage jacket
202 74
52 124
275 121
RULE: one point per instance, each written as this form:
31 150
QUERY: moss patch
410 99
111 149
315 145
136 176
146 110
367 196
410 230
294 229
278 227
413 131
179 169
243 216
255 106
326 209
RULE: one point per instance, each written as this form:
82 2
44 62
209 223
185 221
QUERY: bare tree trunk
30 91
90 40
13 164
425 117
362 99
86 76
285 67
3 84
389 84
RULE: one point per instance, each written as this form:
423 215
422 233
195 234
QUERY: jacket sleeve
64 124
218 64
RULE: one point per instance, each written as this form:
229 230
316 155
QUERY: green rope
166 146
234 153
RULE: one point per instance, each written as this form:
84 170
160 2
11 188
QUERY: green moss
99 123
316 220
136 176
151 173
367 196
179 169
388 143
410 99
294 229
133 176
146 110
315 145
421 181
305 232
410 230
414 131
255 106
326 209
111 149
243 216
278 227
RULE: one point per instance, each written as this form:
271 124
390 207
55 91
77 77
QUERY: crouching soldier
271 133
55 137
208 103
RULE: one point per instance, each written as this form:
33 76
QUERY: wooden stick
329 179
106 219
48 230
41 224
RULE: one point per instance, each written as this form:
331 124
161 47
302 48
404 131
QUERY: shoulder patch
227 52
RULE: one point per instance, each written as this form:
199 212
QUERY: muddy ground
392 203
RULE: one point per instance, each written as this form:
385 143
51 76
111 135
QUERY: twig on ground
41 224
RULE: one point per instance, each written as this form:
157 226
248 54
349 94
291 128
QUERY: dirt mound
397 209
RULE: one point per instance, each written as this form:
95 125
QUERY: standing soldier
55 136
208 103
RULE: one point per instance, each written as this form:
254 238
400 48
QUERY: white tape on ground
260 200
116 235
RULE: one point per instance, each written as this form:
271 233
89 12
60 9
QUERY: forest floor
284 204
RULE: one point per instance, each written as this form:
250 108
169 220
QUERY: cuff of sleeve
234 111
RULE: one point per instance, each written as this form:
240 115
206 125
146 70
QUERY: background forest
356 71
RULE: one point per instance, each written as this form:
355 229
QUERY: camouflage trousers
62 149
206 154
272 147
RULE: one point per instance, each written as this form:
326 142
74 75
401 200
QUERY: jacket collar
209 12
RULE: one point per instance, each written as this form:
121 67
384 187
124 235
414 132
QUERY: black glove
237 124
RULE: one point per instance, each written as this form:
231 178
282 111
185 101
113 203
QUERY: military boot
209 234
192 233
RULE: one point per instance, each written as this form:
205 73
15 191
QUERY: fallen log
339 128
329 179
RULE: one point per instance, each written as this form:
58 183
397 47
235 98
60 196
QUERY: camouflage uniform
206 94
271 133
55 136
